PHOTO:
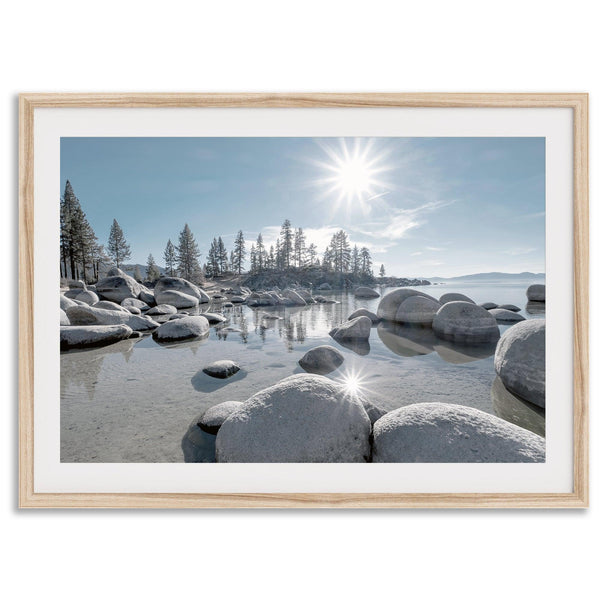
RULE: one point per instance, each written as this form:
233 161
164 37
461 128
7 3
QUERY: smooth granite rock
363 312
434 432
511 307
536 292
84 336
90 315
488 305
221 369
390 303
64 320
215 416
454 297
506 316
365 292
355 329
321 360
87 296
182 329
162 309
465 323
117 286
135 302
178 284
417 310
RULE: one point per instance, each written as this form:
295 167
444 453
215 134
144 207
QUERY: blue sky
424 206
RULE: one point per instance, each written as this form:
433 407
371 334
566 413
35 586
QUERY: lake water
133 401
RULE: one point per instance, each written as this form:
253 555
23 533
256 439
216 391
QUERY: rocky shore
310 417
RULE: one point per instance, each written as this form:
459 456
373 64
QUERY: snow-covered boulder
434 432
465 323
302 419
520 360
182 329
321 360
92 335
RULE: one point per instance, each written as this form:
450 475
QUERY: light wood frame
578 102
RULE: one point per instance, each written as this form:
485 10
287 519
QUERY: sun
352 173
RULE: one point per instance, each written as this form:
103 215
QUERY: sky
425 207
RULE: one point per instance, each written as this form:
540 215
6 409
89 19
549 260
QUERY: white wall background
280 46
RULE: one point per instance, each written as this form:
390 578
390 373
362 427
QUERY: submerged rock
84 336
506 316
355 329
515 410
536 292
465 323
405 340
182 329
324 287
455 297
363 312
390 303
417 310
221 369
435 432
321 360
520 360
302 419
215 416
365 292
197 445
90 315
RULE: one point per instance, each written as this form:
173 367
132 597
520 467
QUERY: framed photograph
303 300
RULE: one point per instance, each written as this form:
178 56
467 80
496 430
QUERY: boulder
238 299
92 335
295 297
321 360
302 419
363 312
454 297
221 369
324 287
182 329
520 360
515 410
536 292
355 329
64 320
506 316
162 309
417 310
214 318
365 292
135 302
323 300
176 299
215 416
88 297
465 323
227 304
488 305
147 296
66 302
509 307
108 305
134 310
434 432
76 284
389 304
117 286
90 315
375 412
177 284
197 445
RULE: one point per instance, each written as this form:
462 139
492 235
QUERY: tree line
82 256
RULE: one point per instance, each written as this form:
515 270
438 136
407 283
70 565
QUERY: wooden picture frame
29 103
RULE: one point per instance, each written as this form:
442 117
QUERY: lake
133 401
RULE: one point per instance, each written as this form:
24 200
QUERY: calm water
133 401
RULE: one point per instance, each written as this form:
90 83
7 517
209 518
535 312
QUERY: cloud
519 251
416 253
434 249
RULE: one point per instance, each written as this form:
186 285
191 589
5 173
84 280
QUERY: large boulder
506 316
92 335
321 360
136 303
117 286
417 310
390 303
454 297
215 416
182 329
302 419
221 369
434 432
465 323
66 302
355 329
162 309
536 292
176 299
520 360
64 320
90 315
108 305
214 318
177 284
363 312
147 296
365 292
295 297
87 296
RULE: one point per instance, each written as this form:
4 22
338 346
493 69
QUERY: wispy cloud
535 215
434 249
416 253
519 251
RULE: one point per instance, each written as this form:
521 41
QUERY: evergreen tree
272 262
137 274
213 265
312 255
239 253
287 244
260 254
170 257
382 271
327 262
188 255
366 266
253 265
118 248
340 252
222 254
152 271
355 261
299 248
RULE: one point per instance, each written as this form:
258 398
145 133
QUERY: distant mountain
493 276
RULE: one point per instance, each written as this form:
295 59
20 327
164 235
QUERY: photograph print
302 300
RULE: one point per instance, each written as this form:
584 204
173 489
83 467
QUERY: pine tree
366 267
260 253
299 248
312 255
239 253
382 271
355 261
327 262
152 271
287 244
118 248
253 266
222 254
170 257
340 252
188 255
272 262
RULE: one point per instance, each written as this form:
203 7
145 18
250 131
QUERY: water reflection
458 354
197 445
536 308
405 340
360 347
517 411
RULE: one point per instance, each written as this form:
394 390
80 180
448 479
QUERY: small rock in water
365 292
321 360
465 323
222 369
488 305
363 312
506 316
536 292
509 307
162 309
356 329
182 329
84 336
214 318
215 416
